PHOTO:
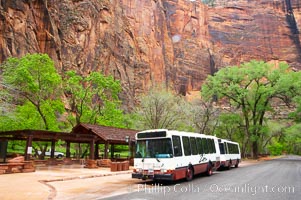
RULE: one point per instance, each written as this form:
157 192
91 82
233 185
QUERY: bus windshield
154 148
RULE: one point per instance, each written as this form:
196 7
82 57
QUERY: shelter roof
106 133
43 135
82 133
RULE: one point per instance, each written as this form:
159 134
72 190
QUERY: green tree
230 126
292 139
34 83
160 108
31 86
6 107
93 99
252 87
202 115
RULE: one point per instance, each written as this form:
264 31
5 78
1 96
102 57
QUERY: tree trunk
255 150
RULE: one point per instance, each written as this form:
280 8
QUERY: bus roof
227 140
169 133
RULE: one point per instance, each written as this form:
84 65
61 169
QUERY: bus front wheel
229 165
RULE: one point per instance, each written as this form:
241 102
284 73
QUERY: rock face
176 43
261 29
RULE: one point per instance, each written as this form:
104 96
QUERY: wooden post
132 149
52 149
92 150
112 151
68 149
106 153
28 149
67 160
96 155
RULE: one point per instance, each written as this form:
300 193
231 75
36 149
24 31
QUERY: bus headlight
139 170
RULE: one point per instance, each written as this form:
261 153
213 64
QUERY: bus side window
186 145
222 148
230 148
233 148
213 146
226 148
177 147
193 146
205 146
200 146
209 145
236 149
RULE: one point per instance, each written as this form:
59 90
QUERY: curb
53 191
85 177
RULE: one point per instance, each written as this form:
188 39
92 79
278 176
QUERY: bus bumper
165 177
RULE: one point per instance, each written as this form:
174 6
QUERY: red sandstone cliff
143 42
261 29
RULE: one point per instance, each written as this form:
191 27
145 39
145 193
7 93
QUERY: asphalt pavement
276 179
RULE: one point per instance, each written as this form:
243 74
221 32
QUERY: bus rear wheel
189 174
237 162
209 170
229 165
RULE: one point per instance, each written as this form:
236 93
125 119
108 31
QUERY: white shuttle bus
172 155
229 153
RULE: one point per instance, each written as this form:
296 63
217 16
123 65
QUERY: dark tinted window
177 147
233 148
210 144
151 134
226 148
222 148
186 145
205 146
200 146
229 148
193 146
213 146
236 149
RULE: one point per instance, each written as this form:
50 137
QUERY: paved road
276 179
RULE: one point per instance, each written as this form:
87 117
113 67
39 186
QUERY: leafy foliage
292 139
93 99
31 92
202 115
33 82
251 88
276 149
160 109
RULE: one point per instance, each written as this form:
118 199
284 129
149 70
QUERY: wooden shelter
105 135
82 133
